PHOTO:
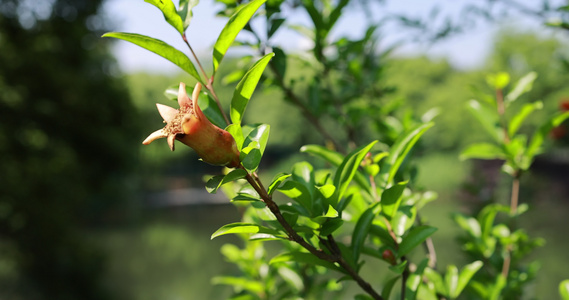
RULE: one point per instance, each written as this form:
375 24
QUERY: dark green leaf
383 235
170 14
483 151
275 24
391 198
362 228
279 62
437 280
232 28
260 135
161 48
348 168
330 226
250 158
499 80
415 237
399 268
246 87
242 228
216 181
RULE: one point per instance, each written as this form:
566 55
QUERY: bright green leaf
331 213
487 117
246 87
499 80
465 275
362 228
161 48
348 169
185 11
242 228
170 14
451 281
232 28
415 237
260 135
298 192
215 182
519 118
564 289
304 257
535 145
399 268
237 133
250 158
276 183
483 151
437 280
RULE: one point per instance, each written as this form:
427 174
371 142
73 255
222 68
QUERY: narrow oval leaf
237 133
388 287
335 159
276 183
483 151
232 28
519 118
161 48
298 192
242 228
487 117
217 181
361 230
170 14
415 237
536 143
391 198
348 169
246 87
260 135
399 151
466 274
451 281
185 11
522 86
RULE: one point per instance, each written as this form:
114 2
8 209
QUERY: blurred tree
65 143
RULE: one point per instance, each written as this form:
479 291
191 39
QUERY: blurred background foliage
76 221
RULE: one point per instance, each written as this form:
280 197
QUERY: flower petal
183 99
158 134
168 113
195 95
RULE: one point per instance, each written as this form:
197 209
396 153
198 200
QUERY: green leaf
466 274
331 213
399 151
304 257
185 11
362 228
403 219
535 145
161 48
383 235
280 62
437 280
522 86
330 226
260 135
519 118
415 237
335 159
496 290
469 224
348 168
170 14
246 87
276 183
499 80
232 28
487 117
298 192
483 151
391 198
399 268
250 157
217 181
564 289
388 287
237 133
234 228
451 281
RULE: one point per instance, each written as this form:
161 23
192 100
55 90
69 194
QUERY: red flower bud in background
564 105
389 257
190 126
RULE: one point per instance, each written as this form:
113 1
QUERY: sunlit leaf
564 289
483 151
362 228
217 181
276 183
518 119
451 281
161 48
185 11
170 14
348 169
232 28
391 198
465 275
536 143
304 257
487 117
246 87
522 86
242 228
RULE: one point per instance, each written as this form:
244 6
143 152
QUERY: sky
464 51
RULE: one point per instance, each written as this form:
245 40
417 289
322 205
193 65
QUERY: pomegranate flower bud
190 126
